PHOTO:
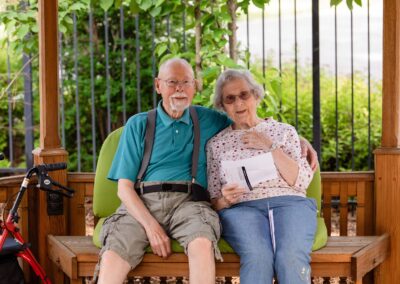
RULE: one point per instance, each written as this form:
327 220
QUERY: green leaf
22 17
159 3
161 48
188 55
166 57
35 29
117 4
227 62
30 44
106 4
62 28
77 7
358 2
134 7
174 47
244 5
211 73
335 2
68 20
259 3
10 26
350 4
145 5
22 31
155 11
276 86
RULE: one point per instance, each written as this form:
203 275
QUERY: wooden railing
349 189
342 190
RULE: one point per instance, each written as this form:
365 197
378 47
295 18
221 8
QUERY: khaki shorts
182 219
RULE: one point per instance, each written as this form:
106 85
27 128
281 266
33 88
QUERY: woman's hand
256 140
231 194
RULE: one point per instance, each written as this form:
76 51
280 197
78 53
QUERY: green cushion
96 232
314 191
321 235
106 201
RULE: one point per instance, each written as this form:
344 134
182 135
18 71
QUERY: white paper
258 169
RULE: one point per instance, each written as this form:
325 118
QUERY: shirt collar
167 120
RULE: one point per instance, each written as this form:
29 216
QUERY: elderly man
168 198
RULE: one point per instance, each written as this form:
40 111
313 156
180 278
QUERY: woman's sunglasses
230 99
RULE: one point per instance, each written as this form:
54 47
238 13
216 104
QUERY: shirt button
176 131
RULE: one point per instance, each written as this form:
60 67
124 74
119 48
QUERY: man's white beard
178 105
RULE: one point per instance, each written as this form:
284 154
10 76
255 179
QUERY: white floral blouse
227 145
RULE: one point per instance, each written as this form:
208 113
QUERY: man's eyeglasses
176 83
230 99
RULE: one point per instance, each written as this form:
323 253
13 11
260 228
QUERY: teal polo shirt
171 158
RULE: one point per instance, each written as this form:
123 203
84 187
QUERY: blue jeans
246 227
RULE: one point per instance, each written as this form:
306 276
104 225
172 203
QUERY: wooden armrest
370 256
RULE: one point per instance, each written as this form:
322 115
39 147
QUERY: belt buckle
166 187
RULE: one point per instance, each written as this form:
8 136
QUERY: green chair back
106 201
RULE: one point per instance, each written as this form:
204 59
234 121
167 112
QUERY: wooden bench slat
342 256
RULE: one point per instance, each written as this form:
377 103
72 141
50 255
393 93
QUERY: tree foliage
22 35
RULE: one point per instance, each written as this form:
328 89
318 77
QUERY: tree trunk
197 15
232 6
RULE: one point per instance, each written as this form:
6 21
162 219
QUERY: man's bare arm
159 241
308 151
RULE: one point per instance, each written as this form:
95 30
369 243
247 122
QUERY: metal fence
106 74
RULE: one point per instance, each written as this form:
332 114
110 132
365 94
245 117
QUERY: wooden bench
76 257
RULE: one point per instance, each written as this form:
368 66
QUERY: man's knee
112 259
113 268
200 245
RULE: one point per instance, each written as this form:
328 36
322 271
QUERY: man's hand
308 151
159 241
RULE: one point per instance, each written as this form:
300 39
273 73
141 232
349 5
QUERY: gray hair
233 74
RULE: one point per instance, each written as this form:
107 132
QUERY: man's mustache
179 95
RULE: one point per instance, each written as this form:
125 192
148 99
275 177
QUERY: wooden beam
48 70
49 150
387 158
391 74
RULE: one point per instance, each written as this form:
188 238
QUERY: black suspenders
149 141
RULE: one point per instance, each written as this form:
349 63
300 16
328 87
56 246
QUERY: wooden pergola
387 157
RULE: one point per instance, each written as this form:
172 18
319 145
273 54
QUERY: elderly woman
257 180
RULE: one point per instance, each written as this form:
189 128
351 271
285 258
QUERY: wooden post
49 150
387 158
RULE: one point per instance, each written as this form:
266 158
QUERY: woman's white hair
234 74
